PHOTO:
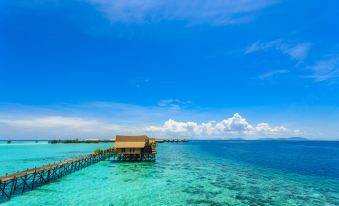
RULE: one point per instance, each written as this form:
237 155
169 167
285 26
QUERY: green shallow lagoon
20 155
190 174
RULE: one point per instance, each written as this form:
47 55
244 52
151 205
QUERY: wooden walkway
20 182
171 140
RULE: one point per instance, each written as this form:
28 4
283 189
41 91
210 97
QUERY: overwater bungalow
135 148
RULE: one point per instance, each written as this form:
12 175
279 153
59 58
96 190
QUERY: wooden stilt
33 180
12 188
3 190
24 183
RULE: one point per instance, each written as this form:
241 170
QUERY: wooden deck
171 140
20 182
75 141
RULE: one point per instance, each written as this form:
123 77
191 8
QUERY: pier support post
3 189
33 180
13 187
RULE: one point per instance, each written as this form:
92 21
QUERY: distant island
70 141
287 139
270 139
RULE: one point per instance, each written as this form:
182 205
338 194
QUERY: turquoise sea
193 173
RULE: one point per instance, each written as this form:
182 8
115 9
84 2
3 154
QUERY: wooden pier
20 182
171 140
80 141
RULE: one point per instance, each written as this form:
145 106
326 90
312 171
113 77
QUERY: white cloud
325 69
215 12
60 122
235 126
272 73
294 51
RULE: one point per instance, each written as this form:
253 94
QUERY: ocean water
20 155
193 173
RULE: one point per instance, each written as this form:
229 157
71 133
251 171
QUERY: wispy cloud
215 12
235 126
174 104
65 125
325 69
54 122
272 73
294 51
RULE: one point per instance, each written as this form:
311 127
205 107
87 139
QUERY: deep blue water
304 157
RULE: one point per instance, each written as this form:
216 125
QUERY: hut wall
129 150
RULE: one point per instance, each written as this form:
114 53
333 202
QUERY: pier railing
20 182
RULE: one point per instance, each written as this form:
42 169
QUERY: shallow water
20 155
194 173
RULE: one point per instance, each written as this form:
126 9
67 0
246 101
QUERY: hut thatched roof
130 141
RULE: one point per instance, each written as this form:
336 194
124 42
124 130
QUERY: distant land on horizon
288 139
278 139
265 139
231 139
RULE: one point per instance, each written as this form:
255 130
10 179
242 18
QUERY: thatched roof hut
131 141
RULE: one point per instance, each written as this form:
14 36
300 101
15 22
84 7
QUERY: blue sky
202 69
